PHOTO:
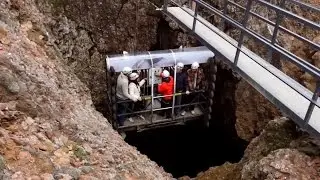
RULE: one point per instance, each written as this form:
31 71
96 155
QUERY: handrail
288 13
160 109
161 96
305 5
311 43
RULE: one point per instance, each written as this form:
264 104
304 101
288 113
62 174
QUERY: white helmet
133 76
126 70
195 65
165 73
180 65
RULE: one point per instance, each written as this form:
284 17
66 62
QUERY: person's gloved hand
139 99
187 92
134 99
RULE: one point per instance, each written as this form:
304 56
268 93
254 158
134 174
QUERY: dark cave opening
167 38
189 149
164 36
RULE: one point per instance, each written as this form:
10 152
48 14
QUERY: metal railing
197 95
161 109
271 44
162 96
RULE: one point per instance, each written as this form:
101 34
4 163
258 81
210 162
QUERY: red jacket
166 88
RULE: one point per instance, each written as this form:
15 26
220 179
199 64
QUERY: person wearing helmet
122 93
134 85
134 90
166 88
181 86
196 79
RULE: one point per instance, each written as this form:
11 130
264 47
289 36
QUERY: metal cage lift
147 64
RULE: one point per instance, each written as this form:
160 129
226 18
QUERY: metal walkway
293 99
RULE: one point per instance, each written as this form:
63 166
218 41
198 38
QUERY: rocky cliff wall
279 152
49 127
86 31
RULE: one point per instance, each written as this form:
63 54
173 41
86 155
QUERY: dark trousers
168 112
191 99
138 106
122 109
179 101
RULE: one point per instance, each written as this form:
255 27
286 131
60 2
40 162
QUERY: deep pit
181 150
55 132
189 149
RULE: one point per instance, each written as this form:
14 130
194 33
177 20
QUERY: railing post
225 9
311 105
165 5
244 24
274 36
195 17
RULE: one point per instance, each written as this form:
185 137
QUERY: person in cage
122 93
196 80
134 91
181 86
165 88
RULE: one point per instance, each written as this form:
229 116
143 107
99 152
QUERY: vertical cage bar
174 84
152 86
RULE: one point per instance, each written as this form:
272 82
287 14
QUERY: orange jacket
166 88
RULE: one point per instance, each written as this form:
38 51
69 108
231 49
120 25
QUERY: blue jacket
181 82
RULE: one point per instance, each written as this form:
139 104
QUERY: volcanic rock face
85 31
49 128
278 153
285 164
